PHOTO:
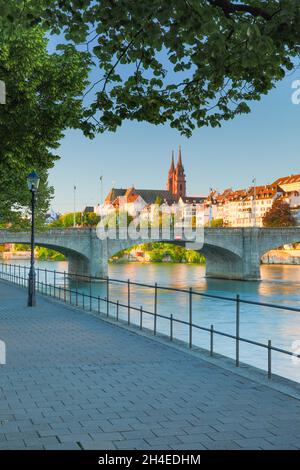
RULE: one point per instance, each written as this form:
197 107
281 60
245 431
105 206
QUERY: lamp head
33 181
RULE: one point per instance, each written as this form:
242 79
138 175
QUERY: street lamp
74 213
33 184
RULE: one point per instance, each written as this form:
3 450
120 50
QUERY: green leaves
44 97
189 63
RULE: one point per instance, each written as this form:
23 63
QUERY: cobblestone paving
73 381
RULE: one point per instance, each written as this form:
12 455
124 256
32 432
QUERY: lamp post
33 184
101 190
254 202
74 201
210 207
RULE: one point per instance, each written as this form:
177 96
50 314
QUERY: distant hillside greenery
45 254
160 252
42 253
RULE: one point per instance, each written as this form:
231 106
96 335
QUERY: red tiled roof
288 179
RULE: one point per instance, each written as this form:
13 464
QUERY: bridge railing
56 284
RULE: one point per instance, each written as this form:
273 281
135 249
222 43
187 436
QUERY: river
280 284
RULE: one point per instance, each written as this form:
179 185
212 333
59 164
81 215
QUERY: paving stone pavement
73 381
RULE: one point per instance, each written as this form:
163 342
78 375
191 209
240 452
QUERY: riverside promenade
74 381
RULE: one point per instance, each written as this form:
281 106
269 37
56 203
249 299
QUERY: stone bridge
231 253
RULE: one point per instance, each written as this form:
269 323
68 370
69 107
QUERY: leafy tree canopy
82 219
192 63
43 98
279 215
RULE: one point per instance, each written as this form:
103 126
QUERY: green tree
43 253
90 219
217 223
188 62
81 219
158 201
43 98
279 215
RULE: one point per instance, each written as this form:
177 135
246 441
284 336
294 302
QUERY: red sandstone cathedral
176 184
176 189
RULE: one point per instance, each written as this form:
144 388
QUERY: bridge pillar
237 259
78 265
99 258
87 267
239 270
94 258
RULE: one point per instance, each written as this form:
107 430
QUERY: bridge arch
77 262
220 261
279 238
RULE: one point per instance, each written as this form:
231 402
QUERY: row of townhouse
248 207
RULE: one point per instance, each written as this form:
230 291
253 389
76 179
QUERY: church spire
171 174
179 163
172 167
179 182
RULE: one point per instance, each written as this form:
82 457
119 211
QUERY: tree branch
229 7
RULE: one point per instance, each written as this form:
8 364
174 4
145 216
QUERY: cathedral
175 190
176 184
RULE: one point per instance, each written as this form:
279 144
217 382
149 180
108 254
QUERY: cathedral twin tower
176 178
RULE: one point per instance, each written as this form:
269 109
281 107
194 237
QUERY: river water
279 284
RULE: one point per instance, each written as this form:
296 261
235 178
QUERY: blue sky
263 144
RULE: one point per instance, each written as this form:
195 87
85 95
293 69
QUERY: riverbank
41 253
288 257
103 362
280 257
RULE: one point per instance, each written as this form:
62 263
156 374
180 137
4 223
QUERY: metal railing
58 289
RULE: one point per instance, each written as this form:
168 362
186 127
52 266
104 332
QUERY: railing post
171 327
83 300
117 312
190 318
76 295
65 287
141 317
155 298
237 332
269 359
14 274
128 300
211 340
98 304
59 289
107 296
54 282
90 294
46 276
